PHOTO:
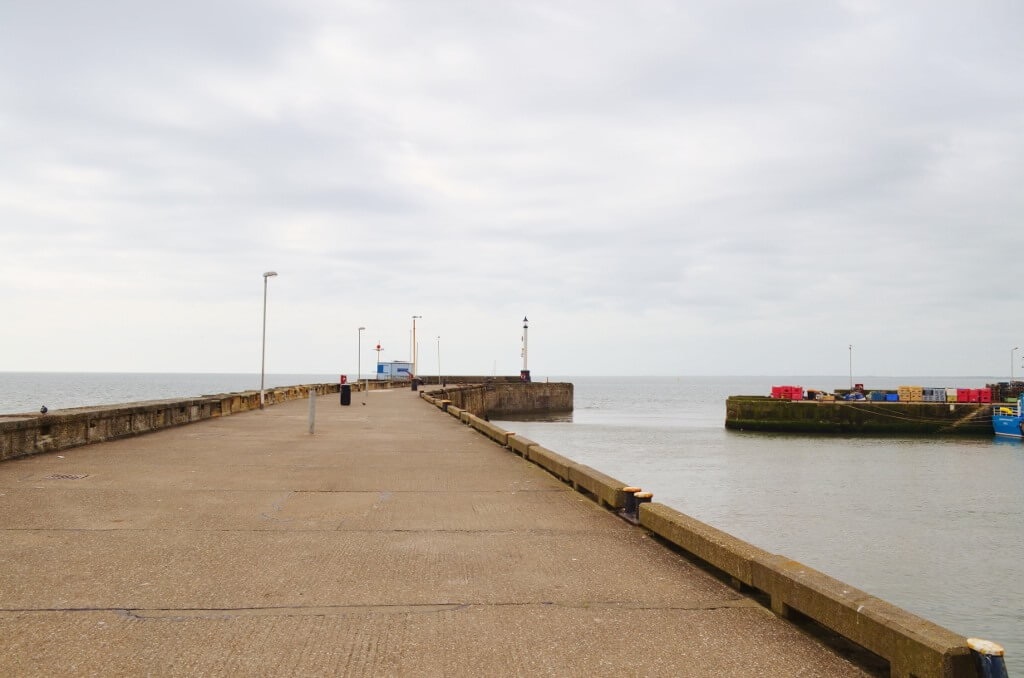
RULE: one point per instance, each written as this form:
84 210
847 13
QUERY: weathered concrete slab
234 569
394 541
162 509
436 640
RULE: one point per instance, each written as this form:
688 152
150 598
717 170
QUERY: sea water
28 391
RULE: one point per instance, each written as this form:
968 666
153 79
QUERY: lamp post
359 356
414 351
851 367
263 350
1012 351
359 363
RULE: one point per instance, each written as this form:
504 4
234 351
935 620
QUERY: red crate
776 391
796 393
975 395
963 395
986 395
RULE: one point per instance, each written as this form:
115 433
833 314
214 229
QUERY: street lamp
851 367
414 351
359 356
1012 351
359 362
263 350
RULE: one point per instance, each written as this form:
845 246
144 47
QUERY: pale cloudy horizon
663 188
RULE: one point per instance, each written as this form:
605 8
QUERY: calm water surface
934 525
28 391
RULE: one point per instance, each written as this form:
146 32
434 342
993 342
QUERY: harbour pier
858 417
403 537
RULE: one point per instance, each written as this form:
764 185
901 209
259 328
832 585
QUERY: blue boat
1007 420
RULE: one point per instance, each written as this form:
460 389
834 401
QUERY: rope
927 420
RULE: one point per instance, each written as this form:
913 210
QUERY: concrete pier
858 417
394 541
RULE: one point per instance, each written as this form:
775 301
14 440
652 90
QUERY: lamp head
361 329
270 274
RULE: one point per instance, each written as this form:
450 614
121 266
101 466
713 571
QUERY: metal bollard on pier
988 657
629 511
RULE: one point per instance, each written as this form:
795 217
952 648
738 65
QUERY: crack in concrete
188 613
66 488
327 528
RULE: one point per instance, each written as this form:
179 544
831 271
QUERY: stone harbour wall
509 399
756 413
26 434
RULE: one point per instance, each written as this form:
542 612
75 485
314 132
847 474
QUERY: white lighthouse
525 373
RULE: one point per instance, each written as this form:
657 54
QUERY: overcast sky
662 187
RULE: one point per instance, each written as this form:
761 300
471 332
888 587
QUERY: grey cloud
748 168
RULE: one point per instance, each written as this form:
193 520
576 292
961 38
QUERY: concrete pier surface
394 541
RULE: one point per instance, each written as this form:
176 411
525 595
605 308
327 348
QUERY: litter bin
415 384
346 394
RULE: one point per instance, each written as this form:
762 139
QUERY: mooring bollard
988 657
629 510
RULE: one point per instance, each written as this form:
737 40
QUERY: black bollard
346 394
629 510
988 657
642 498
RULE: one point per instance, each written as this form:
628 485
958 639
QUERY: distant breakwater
509 398
849 417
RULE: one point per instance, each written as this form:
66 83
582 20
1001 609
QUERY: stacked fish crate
911 394
1006 391
788 392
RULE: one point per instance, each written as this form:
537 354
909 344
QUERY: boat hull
1007 425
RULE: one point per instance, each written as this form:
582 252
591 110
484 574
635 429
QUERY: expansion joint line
399 608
